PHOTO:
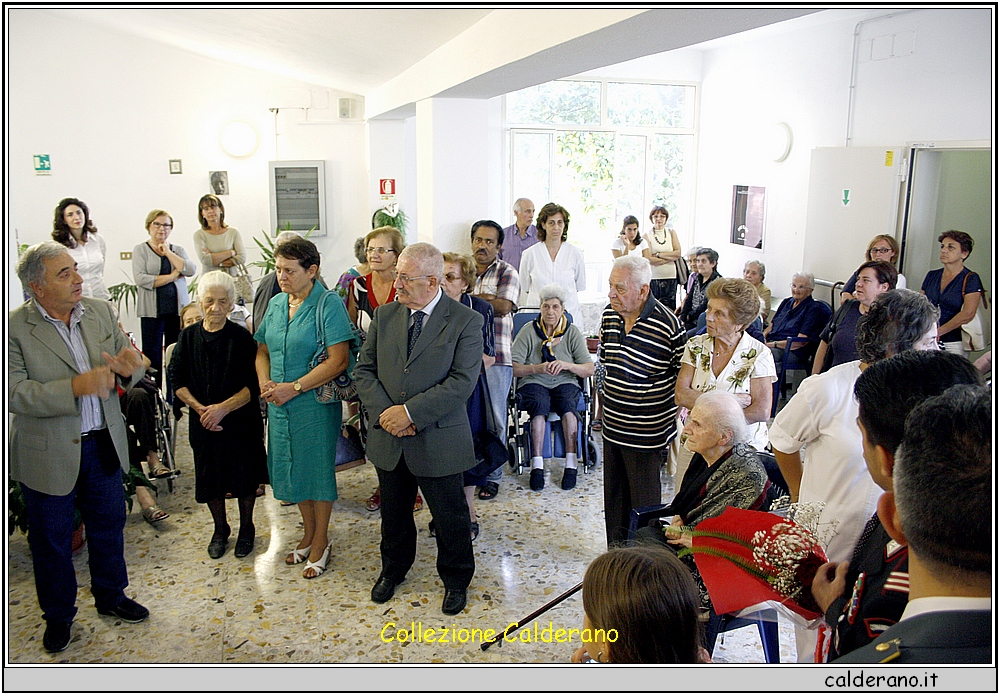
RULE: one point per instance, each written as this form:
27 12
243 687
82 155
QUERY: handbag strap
320 306
982 290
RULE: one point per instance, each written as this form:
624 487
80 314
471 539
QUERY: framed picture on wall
219 181
748 217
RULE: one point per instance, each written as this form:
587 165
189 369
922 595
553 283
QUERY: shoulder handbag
244 286
973 337
340 387
681 268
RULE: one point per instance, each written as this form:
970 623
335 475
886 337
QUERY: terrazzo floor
256 610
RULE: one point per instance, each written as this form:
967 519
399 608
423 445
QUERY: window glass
530 165
563 102
650 105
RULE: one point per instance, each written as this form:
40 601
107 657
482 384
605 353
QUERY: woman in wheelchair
549 356
725 472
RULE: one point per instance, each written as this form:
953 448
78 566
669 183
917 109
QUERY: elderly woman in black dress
725 472
213 371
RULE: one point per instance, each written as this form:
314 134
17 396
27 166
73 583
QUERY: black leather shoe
383 590
244 546
217 547
56 636
569 479
454 601
537 479
127 611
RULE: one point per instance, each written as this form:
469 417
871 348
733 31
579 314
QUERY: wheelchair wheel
591 453
165 438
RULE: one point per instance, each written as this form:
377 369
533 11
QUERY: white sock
570 460
536 462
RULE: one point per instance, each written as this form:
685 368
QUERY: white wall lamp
779 142
239 139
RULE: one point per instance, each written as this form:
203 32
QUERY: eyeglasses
162 225
406 279
881 250
451 277
378 249
485 242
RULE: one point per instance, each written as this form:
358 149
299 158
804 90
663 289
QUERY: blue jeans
499 378
50 530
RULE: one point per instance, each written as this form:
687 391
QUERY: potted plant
593 343
390 216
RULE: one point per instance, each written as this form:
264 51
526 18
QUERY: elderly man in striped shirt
641 347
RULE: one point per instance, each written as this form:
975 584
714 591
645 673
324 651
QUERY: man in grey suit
417 369
940 506
67 440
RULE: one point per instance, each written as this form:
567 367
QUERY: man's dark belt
92 433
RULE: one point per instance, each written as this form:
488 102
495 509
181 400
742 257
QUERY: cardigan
145 268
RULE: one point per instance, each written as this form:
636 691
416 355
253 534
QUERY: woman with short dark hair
837 344
552 261
664 251
302 432
706 260
954 289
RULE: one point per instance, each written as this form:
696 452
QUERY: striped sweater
642 367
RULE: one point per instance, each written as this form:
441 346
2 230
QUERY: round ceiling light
239 139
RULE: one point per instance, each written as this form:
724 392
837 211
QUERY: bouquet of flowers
747 558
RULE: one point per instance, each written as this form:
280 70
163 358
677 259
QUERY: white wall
802 78
458 174
934 83
114 110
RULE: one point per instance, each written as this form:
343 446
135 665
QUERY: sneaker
537 479
127 611
56 637
569 479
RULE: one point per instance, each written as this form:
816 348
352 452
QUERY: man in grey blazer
417 369
67 440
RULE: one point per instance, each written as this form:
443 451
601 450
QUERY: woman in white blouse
74 229
630 242
552 261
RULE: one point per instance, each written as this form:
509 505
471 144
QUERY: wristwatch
297 386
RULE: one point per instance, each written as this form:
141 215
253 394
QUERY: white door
853 195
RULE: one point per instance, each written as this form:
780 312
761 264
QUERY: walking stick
516 626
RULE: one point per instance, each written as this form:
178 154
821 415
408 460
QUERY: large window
603 149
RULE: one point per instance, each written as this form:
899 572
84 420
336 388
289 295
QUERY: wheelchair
519 424
164 430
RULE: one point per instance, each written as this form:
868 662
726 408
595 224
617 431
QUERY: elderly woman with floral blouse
728 358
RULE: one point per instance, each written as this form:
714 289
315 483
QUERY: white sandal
298 555
319 567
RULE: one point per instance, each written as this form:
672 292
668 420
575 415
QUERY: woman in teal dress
302 433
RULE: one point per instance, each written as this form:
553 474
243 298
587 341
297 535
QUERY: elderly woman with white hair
213 371
798 316
549 355
725 472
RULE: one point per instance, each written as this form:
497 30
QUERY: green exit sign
43 164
